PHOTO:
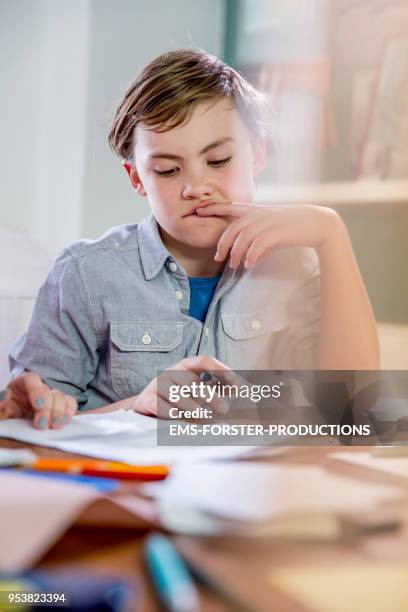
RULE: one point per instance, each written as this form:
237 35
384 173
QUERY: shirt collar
153 253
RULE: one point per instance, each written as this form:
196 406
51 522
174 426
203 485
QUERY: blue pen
173 582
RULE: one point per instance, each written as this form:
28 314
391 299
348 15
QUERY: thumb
30 389
9 409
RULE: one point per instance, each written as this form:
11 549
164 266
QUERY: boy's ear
259 155
134 178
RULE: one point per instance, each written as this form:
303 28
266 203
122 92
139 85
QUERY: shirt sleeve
302 335
61 344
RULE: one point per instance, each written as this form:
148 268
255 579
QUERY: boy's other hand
154 399
255 230
29 398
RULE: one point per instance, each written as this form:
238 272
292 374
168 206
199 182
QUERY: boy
210 281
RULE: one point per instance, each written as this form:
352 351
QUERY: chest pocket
251 338
139 349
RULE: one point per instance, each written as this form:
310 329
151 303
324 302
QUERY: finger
42 414
29 388
54 406
181 403
201 394
215 368
71 408
170 385
162 408
243 241
227 239
59 409
259 247
9 409
225 210
242 225
3 409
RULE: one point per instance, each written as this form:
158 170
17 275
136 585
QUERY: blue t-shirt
201 293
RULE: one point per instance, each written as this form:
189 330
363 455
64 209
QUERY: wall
379 236
43 66
63 66
122 42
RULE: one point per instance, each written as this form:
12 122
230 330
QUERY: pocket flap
252 324
147 335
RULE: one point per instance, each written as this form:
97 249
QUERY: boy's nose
196 189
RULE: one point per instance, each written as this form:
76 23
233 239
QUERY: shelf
329 194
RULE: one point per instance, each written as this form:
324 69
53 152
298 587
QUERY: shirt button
179 295
146 339
255 324
173 266
206 331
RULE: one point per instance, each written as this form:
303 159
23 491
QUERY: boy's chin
205 242
204 236
199 241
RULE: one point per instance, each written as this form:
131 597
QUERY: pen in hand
207 377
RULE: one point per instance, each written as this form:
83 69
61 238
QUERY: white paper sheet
254 491
117 436
398 466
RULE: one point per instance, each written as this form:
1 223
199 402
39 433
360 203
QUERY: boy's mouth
202 204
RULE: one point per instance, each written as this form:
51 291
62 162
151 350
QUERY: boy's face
209 158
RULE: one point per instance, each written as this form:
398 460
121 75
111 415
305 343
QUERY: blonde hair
166 92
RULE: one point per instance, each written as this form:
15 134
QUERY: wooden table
120 550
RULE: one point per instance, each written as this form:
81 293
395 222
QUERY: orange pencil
107 469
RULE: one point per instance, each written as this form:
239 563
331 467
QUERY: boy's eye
218 163
166 172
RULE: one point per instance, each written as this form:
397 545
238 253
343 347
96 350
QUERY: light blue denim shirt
114 311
